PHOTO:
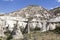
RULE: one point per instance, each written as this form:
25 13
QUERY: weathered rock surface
9 23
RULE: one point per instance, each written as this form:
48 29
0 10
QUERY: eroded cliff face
12 26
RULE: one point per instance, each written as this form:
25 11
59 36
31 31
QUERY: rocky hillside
39 17
56 11
31 11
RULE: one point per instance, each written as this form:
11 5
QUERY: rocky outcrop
9 24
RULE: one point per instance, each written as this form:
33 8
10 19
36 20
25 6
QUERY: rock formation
10 24
28 18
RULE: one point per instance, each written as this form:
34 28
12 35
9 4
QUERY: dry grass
42 36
